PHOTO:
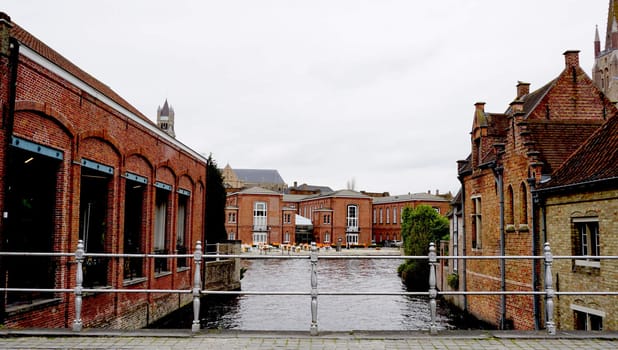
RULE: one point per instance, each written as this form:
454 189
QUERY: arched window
508 209
523 216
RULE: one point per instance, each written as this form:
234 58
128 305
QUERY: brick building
258 216
512 153
386 213
78 162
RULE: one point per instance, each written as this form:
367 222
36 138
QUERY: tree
214 227
419 227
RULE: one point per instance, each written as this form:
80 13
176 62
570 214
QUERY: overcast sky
380 91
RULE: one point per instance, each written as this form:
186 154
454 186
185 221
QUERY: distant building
165 119
237 179
308 189
387 211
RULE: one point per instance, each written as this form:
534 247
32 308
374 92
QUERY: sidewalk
236 340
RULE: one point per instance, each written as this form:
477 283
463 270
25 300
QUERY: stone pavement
236 340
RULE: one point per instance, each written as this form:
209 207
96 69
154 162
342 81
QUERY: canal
335 313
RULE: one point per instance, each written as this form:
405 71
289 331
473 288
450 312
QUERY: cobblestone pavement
171 340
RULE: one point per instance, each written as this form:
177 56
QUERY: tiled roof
595 160
340 193
27 39
259 176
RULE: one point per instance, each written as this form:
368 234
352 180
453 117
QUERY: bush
453 281
414 274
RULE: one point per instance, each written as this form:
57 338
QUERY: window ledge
15 309
524 228
510 228
588 263
163 274
184 268
133 281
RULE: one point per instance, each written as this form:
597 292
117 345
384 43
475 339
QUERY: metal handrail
198 256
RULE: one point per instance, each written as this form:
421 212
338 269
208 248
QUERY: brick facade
512 153
81 139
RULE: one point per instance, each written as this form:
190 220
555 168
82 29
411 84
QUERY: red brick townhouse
258 216
512 153
387 211
340 216
78 162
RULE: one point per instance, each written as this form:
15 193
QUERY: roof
311 188
594 161
270 176
409 198
302 221
340 193
258 190
294 197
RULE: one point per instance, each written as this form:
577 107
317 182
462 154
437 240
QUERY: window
587 319
327 219
327 237
508 215
436 209
374 216
523 217
286 237
388 215
287 218
395 215
259 216
352 218
381 218
476 223
231 218
586 241
231 236
160 230
181 230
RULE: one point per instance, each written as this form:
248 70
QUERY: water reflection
335 313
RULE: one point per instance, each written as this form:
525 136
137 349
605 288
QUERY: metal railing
198 257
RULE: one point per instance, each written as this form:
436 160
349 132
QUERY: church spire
611 35
597 42
165 119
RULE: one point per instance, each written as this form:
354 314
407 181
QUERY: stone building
605 68
165 119
238 179
511 154
78 162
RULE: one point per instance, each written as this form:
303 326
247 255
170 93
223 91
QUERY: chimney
295 184
571 58
517 106
522 89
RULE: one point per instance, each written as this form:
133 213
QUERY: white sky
324 91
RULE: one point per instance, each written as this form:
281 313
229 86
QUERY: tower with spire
165 119
605 69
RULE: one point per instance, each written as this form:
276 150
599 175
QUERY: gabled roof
595 160
340 194
270 176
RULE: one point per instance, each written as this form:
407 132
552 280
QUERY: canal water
335 313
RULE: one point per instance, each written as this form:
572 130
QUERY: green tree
215 204
419 227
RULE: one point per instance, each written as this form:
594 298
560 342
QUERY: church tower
605 69
165 119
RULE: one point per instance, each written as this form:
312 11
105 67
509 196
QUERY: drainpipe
499 180
464 250
535 251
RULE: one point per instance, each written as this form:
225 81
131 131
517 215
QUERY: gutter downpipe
499 180
464 251
535 250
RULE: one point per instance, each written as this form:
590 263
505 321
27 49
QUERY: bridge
234 340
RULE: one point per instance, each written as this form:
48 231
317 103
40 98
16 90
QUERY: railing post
314 289
549 291
218 251
197 283
79 280
432 287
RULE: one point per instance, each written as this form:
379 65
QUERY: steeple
611 35
597 42
165 119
